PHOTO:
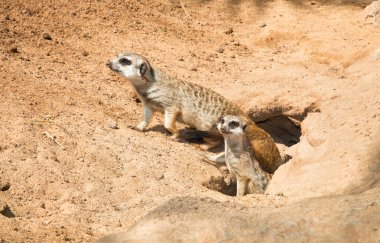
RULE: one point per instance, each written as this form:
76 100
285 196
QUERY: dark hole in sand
282 129
7 212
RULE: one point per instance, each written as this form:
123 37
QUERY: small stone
313 3
46 222
263 25
220 50
376 54
180 59
232 56
373 204
5 186
194 69
281 194
112 124
85 53
229 31
14 50
46 36
160 177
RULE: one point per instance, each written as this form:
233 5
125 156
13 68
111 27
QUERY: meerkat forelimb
240 158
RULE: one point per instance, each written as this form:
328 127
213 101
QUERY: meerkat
240 157
192 104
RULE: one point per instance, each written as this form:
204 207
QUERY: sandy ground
301 59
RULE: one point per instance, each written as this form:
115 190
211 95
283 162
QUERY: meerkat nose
109 64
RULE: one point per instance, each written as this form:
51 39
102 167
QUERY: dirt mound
73 169
337 218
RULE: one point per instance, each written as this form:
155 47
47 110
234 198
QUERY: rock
194 69
4 186
229 31
159 176
14 50
262 25
46 36
85 53
46 222
376 54
220 50
372 12
112 124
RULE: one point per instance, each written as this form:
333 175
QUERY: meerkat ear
143 69
244 127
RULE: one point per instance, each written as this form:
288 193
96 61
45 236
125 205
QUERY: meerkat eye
222 121
233 124
124 61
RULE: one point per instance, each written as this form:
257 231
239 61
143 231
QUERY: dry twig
184 9
54 139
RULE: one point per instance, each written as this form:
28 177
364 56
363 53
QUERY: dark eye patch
124 61
233 124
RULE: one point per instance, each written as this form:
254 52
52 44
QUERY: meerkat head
134 67
229 125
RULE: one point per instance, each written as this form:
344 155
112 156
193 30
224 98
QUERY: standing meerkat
197 106
240 158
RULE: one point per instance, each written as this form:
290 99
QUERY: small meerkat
240 157
197 106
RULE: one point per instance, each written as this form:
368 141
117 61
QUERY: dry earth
315 62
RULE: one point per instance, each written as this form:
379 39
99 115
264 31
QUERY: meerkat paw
219 158
175 136
140 127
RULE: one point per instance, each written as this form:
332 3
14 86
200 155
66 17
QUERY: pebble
160 176
220 50
5 186
46 36
112 124
376 54
85 53
194 69
263 25
46 222
14 49
229 31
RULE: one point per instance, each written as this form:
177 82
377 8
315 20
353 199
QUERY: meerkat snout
232 125
131 66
